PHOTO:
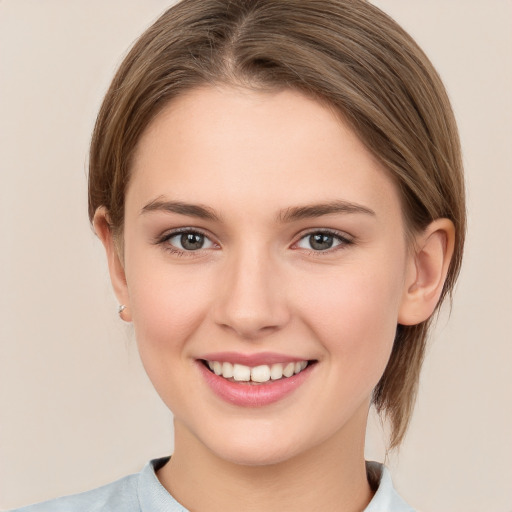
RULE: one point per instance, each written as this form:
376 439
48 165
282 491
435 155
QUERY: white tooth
298 367
241 372
217 367
227 370
303 365
260 373
289 369
276 371
210 365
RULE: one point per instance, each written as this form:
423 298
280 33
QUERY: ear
103 229
428 265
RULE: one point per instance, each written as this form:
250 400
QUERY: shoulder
134 493
119 495
142 491
386 499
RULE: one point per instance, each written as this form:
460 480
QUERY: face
262 242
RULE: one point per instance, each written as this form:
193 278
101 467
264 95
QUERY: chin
256 455
262 448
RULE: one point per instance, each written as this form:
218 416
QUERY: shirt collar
153 497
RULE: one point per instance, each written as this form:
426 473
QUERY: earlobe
428 266
103 230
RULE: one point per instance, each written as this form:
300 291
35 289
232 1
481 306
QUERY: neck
331 476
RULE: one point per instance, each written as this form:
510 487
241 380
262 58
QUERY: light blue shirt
143 492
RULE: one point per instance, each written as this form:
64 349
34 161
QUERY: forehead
233 147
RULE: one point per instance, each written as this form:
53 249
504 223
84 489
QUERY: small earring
120 310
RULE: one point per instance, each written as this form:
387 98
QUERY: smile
257 374
254 380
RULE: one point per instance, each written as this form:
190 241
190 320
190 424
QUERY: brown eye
192 241
322 241
189 241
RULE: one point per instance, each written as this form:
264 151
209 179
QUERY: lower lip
253 395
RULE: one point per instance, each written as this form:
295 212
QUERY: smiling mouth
256 374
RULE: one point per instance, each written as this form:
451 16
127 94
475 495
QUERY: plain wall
76 409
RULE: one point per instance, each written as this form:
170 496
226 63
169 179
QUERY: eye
322 241
188 241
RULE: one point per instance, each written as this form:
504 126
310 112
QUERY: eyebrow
317 210
288 215
191 210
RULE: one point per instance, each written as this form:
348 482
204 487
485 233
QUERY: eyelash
343 241
163 241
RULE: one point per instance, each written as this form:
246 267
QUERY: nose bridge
252 301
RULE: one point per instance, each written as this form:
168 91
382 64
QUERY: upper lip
252 360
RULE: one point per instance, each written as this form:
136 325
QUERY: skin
257 285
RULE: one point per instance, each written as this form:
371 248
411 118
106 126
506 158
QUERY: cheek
167 302
355 316
168 307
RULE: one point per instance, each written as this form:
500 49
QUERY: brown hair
347 53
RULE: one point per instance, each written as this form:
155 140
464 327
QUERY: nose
251 300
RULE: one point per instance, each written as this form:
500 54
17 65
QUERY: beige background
76 408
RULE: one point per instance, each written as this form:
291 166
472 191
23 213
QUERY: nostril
250 304
249 329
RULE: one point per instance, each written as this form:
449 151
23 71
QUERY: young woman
278 187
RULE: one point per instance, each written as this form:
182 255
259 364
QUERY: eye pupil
192 241
321 241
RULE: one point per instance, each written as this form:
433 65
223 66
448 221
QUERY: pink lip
251 394
250 359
